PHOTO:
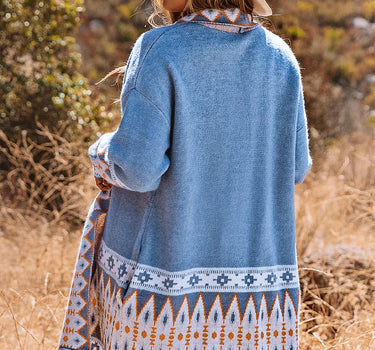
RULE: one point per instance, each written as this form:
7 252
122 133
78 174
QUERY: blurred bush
41 178
334 43
47 107
106 36
39 70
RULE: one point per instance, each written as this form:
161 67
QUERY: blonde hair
191 6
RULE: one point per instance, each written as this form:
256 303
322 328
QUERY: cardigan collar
230 17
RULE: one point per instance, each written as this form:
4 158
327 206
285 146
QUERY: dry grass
335 220
336 241
38 246
43 175
37 259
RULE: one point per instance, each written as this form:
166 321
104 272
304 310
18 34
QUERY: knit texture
198 248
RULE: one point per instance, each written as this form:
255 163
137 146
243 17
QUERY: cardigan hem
211 279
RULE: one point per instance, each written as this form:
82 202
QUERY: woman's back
199 239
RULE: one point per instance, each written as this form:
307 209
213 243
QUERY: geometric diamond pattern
75 331
205 327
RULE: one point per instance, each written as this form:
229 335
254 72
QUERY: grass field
335 221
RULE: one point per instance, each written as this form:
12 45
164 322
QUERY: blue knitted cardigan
194 245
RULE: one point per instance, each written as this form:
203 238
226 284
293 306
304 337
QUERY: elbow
302 170
143 180
144 186
140 184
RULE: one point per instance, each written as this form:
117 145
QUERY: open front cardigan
194 245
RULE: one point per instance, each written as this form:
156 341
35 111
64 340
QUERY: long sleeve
303 160
134 157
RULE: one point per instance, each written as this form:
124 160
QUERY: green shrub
47 109
39 70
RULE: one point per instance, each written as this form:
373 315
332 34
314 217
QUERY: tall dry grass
335 221
44 177
336 246
42 217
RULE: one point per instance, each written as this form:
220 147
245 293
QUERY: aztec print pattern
102 168
76 326
224 17
204 327
140 276
97 153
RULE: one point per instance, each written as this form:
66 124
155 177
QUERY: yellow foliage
371 120
370 63
370 98
124 10
296 32
305 6
333 36
369 8
347 68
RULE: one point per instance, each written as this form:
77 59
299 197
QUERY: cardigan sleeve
134 156
303 160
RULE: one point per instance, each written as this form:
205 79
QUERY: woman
197 250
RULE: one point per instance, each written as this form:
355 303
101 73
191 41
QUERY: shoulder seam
153 104
140 66
145 55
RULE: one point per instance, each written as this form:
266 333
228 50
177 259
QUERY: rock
96 25
363 24
360 23
370 78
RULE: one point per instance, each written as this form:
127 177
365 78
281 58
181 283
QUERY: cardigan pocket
137 247
140 237
122 268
